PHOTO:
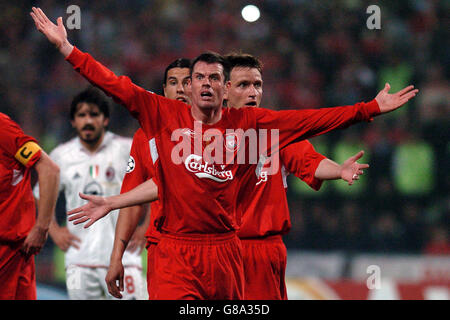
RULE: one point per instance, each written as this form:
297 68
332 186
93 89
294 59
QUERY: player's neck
93 146
208 116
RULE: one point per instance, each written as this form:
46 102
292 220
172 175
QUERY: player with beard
93 162
141 169
264 204
199 254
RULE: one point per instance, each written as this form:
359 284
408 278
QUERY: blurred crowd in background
315 54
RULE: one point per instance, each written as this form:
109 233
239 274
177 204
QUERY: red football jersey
263 200
18 153
196 195
140 169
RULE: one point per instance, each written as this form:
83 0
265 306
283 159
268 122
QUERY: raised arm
296 125
142 104
55 33
392 101
98 206
119 87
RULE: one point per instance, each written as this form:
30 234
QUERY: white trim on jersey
153 150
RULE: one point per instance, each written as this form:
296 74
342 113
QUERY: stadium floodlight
250 13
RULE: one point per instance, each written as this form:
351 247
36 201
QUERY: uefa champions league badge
131 164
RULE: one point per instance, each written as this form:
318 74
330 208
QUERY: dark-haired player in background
93 162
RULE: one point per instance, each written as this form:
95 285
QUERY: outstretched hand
55 33
351 169
95 209
391 101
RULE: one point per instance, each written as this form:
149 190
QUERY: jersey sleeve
296 125
302 160
54 155
150 109
137 171
14 142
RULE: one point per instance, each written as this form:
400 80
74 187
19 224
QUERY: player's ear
105 122
225 91
164 90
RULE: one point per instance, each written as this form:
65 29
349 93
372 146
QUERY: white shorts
86 283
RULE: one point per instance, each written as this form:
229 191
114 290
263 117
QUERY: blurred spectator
386 233
352 227
434 99
413 166
438 243
412 219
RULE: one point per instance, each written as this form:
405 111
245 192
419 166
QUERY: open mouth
206 94
182 99
251 104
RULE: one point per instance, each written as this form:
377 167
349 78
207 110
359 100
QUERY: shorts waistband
200 238
272 238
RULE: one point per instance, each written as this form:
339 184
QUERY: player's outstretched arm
98 206
391 101
349 171
55 33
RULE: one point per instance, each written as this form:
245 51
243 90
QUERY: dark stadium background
315 54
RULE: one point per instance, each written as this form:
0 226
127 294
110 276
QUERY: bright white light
250 13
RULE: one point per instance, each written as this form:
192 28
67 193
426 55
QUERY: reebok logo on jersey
17 177
194 163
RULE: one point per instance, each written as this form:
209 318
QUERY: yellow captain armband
26 152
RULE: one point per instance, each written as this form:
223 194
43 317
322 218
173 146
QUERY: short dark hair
90 95
213 57
246 60
179 63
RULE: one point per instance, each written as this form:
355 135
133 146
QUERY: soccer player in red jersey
22 235
140 169
264 205
199 254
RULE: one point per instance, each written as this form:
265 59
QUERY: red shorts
151 246
17 273
264 268
197 267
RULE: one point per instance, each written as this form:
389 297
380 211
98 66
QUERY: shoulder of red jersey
139 135
13 140
244 116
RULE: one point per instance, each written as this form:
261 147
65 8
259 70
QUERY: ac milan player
140 169
93 162
22 235
264 204
199 254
